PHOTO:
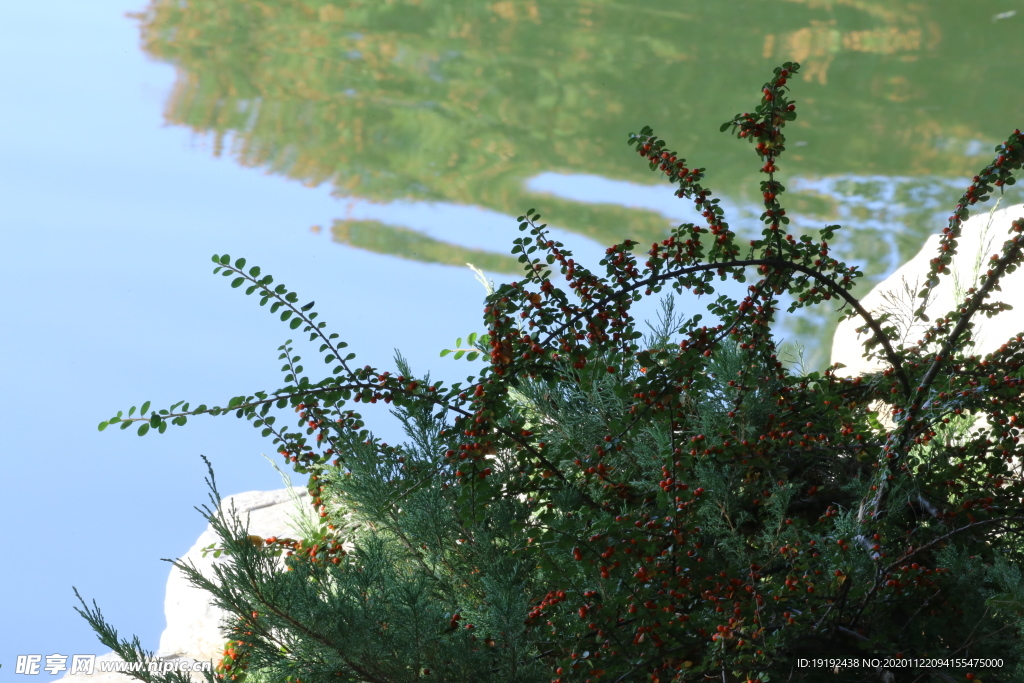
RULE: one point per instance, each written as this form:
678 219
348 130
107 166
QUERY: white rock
981 236
193 623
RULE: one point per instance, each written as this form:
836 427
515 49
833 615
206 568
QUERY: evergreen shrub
599 505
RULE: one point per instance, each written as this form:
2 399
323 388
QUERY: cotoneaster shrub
596 505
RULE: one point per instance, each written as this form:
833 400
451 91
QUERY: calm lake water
422 129
515 104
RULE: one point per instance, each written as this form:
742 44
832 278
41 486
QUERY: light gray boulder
193 623
982 235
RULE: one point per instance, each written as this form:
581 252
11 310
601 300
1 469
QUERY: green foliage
598 504
478 342
130 651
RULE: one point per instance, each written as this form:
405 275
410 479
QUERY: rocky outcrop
981 236
193 624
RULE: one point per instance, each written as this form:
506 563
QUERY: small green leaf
254 271
237 282
295 323
459 354
103 425
225 260
143 428
308 306
471 338
240 264
472 355
444 353
144 409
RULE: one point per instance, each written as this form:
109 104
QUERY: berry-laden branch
885 574
385 387
1010 157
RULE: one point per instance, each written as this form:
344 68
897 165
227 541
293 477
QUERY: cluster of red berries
328 549
235 660
999 173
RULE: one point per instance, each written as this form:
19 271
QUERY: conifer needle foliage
600 505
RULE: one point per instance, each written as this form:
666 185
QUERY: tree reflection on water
466 102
